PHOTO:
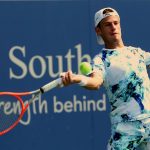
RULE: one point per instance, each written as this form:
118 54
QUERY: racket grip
51 85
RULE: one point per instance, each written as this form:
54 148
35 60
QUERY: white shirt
126 81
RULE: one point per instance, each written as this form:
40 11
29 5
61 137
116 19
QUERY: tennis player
122 71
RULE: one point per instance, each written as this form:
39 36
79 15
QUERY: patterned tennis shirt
126 81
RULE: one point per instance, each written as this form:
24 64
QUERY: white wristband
83 81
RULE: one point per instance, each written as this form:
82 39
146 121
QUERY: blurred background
41 39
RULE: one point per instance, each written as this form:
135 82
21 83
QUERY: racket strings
10 110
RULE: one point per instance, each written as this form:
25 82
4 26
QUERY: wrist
84 81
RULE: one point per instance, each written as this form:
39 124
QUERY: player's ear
98 30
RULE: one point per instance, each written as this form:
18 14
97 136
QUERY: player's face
110 29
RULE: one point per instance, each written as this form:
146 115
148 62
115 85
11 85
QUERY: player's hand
69 78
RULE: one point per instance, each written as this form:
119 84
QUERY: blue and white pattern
126 81
132 135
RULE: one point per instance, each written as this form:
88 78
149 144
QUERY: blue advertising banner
41 39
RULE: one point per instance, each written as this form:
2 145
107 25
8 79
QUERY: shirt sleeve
98 66
146 56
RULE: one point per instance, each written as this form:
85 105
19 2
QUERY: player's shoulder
98 58
135 49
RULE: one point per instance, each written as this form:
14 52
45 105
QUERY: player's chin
116 39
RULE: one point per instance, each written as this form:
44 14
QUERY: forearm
92 82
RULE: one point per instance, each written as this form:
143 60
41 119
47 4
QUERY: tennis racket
8 118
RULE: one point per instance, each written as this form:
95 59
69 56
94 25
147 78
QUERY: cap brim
100 40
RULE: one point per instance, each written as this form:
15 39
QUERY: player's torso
120 64
126 82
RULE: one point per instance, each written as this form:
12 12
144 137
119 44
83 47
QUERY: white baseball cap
99 15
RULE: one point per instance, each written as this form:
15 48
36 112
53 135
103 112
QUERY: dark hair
107 10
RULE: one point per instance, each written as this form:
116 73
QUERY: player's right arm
93 82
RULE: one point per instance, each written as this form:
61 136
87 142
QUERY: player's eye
116 23
108 24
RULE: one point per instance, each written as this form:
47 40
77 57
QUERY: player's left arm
146 56
147 59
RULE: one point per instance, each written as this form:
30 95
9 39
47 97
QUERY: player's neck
115 45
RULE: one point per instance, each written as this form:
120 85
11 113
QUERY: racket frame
24 107
18 95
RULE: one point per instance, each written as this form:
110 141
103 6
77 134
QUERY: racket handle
51 85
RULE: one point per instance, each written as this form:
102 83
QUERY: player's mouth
114 33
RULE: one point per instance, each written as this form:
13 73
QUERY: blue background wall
40 39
